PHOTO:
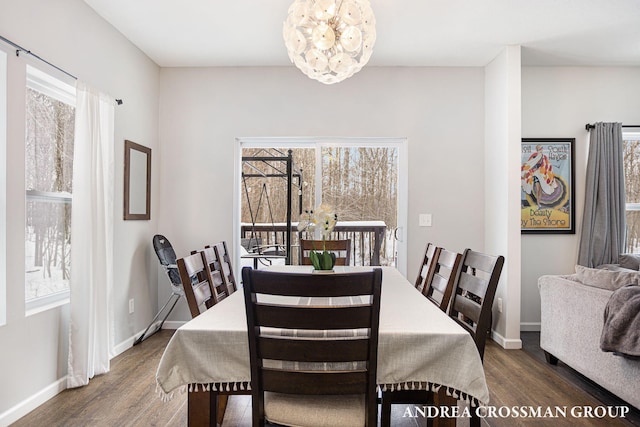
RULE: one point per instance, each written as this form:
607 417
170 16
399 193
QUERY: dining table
419 348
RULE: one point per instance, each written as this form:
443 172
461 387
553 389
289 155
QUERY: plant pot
322 271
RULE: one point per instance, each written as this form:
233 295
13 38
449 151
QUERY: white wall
557 102
439 110
69 34
502 185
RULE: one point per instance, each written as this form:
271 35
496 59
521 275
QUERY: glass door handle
397 234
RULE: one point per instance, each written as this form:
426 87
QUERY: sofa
572 319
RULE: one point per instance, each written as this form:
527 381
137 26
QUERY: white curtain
90 329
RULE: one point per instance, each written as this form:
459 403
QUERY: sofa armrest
572 317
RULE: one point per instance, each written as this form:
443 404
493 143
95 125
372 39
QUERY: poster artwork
546 175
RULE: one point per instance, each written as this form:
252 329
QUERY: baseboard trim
13 414
530 326
507 344
173 324
128 343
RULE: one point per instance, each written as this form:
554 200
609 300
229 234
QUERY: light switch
424 220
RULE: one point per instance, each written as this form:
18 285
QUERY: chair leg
551 359
475 420
385 414
222 407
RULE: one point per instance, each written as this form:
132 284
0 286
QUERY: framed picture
137 181
546 181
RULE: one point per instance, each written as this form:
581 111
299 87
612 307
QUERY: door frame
400 143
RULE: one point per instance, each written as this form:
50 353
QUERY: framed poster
546 182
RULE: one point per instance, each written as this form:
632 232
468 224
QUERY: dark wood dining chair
213 270
195 282
226 268
209 270
342 249
473 294
318 366
427 267
472 299
438 289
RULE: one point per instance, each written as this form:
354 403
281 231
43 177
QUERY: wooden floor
126 395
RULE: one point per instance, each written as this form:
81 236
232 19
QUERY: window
632 189
50 116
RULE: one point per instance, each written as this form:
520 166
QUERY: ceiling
202 33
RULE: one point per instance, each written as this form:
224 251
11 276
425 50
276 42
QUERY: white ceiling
176 33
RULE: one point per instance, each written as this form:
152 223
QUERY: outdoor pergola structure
274 164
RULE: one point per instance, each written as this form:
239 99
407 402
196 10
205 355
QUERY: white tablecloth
419 346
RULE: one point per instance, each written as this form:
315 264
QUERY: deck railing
367 239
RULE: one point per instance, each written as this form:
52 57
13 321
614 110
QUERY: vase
322 271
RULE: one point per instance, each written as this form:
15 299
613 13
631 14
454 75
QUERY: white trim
47 302
403 205
304 141
3 188
50 86
507 344
21 409
173 324
630 135
530 326
237 167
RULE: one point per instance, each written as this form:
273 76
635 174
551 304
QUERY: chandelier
329 40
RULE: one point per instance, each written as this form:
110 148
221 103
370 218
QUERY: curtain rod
28 52
590 126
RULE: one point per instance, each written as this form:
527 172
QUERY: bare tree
49 169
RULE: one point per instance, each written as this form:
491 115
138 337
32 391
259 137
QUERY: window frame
635 136
628 135
53 87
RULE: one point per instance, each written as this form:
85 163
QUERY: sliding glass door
362 179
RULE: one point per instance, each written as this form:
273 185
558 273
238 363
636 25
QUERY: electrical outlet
499 305
424 220
131 306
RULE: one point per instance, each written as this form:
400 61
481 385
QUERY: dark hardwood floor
126 395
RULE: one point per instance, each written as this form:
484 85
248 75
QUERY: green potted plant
324 219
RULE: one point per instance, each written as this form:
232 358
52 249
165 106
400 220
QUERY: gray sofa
572 315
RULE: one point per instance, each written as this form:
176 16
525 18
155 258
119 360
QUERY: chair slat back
226 269
342 249
445 271
427 267
197 288
329 383
212 269
473 295
325 339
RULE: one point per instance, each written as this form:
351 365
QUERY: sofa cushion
631 261
606 279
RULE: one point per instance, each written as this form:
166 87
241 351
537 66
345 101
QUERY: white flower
326 219
322 217
308 223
